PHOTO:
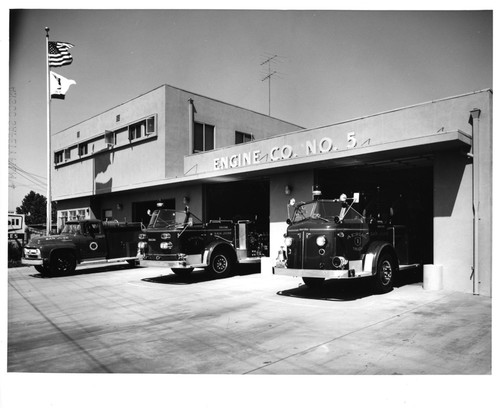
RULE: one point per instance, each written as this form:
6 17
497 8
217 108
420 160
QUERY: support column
474 121
191 111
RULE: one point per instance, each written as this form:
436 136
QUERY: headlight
165 235
142 236
32 252
321 241
166 245
142 245
288 241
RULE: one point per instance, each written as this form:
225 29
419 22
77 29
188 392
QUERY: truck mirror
288 221
356 197
291 203
148 212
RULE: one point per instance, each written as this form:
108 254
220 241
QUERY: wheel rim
64 264
220 264
386 272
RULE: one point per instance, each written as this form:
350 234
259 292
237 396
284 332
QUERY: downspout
474 121
191 111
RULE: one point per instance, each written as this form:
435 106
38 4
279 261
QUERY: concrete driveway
147 320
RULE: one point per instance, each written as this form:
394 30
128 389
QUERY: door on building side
240 200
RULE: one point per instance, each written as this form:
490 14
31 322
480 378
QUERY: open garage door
241 200
405 186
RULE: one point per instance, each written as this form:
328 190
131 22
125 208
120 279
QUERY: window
83 149
150 125
109 138
67 154
78 134
241 137
203 137
135 131
58 157
117 118
92 228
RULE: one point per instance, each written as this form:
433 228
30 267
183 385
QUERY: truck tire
314 283
221 264
41 269
384 277
62 263
182 272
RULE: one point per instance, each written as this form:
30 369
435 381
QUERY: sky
330 65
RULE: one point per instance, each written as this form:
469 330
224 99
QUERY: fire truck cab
330 239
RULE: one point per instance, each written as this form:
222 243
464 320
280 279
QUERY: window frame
204 137
245 137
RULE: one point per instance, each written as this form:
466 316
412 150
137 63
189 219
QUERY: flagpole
49 164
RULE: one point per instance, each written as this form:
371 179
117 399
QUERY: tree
34 205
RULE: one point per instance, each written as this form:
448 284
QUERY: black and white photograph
248 205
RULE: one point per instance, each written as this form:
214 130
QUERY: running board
104 260
407 267
249 260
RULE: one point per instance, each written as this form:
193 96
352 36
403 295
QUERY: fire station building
431 161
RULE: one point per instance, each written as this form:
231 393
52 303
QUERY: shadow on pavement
348 290
87 270
200 275
339 290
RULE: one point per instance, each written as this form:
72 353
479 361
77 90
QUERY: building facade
432 161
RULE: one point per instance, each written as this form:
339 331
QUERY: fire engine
179 240
330 239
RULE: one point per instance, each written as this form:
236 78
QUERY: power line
36 180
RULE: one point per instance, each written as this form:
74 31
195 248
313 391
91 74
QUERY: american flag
59 54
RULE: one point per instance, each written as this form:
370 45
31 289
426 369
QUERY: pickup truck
83 242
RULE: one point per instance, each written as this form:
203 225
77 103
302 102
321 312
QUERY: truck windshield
170 219
72 229
326 210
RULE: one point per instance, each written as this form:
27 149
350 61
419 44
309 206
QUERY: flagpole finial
47 29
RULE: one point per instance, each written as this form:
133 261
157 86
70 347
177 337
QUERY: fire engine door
93 244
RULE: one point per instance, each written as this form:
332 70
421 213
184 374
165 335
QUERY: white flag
59 85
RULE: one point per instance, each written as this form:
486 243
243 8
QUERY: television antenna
269 74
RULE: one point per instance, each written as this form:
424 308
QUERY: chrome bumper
321 273
31 262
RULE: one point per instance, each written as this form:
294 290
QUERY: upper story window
58 157
111 139
204 137
83 149
136 130
241 137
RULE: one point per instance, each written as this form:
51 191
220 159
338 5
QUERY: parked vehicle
329 239
83 242
181 241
